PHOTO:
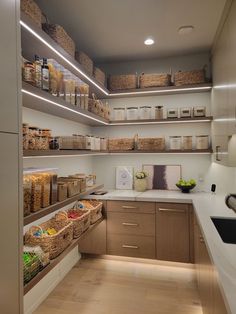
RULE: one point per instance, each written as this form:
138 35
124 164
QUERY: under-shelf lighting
163 91
63 57
63 107
63 156
158 122
164 153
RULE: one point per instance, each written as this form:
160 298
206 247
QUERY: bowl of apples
186 186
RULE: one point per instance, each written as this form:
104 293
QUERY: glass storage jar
119 113
159 113
187 142
132 113
175 142
145 112
202 142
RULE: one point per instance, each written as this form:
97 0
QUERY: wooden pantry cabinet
131 229
209 290
173 232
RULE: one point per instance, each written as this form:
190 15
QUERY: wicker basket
95 208
99 75
154 80
57 33
85 61
189 77
118 144
31 266
52 244
153 144
119 82
30 8
80 224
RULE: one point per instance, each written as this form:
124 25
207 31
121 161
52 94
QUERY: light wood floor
101 286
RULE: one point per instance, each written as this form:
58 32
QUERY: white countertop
205 205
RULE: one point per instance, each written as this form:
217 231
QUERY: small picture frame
124 178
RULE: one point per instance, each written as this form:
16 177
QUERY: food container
145 112
103 144
46 132
88 141
159 113
29 73
90 180
119 113
25 128
73 185
53 143
173 113
187 142
185 112
82 178
97 145
27 183
36 192
132 113
79 142
199 111
25 141
61 191
202 142
53 188
34 131
46 189
175 142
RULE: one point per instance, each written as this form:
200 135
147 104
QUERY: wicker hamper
85 61
53 244
99 75
189 77
152 144
119 82
80 224
118 144
154 80
30 8
95 208
57 33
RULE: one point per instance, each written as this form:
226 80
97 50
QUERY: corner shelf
50 209
53 263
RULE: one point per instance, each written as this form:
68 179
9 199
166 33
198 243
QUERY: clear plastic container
185 112
132 113
145 112
159 112
202 142
187 142
119 113
175 142
97 145
173 113
199 111
103 143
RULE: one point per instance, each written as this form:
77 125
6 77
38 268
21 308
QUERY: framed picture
124 178
163 177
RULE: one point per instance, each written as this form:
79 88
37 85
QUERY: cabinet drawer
171 207
130 245
130 207
131 223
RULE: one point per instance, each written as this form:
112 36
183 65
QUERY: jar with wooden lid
159 113
202 142
187 142
132 113
175 142
145 112
119 113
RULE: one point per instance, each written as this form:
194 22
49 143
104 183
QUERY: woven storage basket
30 8
52 244
154 80
80 224
119 82
99 75
95 208
153 144
85 61
57 33
189 77
31 267
120 144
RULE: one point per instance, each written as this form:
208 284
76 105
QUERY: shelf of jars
36 41
53 263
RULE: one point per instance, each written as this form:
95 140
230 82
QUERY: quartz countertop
205 205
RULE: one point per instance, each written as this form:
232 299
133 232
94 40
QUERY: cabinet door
10 231
172 232
95 241
10 76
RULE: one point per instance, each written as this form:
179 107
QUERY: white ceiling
114 30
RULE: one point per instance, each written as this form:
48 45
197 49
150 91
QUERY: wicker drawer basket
95 208
153 144
99 75
57 33
118 144
154 80
85 61
119 82
53 244
189 77
30 8
80 224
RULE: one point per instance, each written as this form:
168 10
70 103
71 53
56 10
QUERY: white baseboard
40 292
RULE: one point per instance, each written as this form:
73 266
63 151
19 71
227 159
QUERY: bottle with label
45 75
38 72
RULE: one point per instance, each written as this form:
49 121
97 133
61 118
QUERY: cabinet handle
201 239
129 207
129 224
125 246
217 153
171 210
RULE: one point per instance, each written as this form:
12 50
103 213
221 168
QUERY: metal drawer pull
171 210
129 224
130 246
129 207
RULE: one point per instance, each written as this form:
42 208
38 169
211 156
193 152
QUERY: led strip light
159 122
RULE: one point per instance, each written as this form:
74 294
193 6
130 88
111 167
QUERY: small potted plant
186 186
140 182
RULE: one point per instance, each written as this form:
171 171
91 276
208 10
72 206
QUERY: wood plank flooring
107 286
